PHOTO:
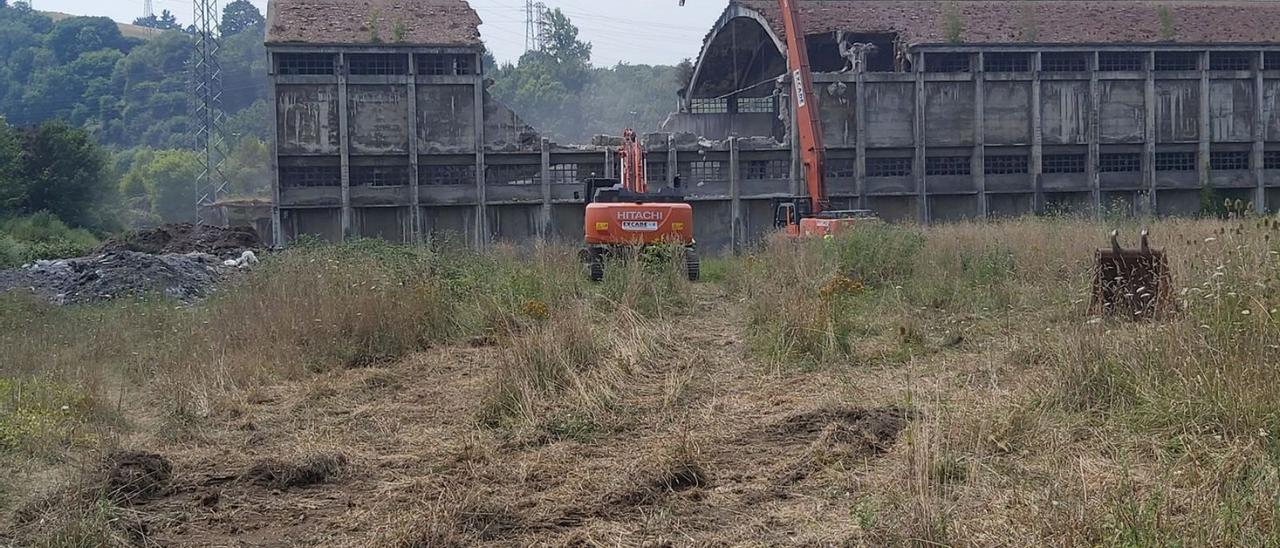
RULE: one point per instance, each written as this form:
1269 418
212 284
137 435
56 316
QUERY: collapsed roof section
373 22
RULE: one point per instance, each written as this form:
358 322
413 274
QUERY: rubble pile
184 238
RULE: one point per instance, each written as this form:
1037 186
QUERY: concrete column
673 163
544 221
482 207
978 162
1205 151
1037 137
609 166
1095 120
344 132
277 223
922 207
860 136
735 197
1258 161
1149 142
415 209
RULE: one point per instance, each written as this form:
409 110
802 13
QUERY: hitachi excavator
624 215
808 216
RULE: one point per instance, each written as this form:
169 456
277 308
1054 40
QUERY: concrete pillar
922 198
544 220
1258 160
673 164
482 208
1205 150
415 209
735 197
344 132
1095 131
1149 133
1037 137
860 136
978 166
609 167
277 224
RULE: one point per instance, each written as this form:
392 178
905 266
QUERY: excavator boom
808 124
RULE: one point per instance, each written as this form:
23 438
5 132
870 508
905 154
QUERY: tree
76 35
161 184
166 21
561 41
240 16
64 172
12 190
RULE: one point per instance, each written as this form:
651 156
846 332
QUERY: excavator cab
796 216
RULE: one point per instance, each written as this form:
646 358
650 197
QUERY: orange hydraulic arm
632 155
812 150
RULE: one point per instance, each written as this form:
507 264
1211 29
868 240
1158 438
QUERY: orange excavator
622 214
807 216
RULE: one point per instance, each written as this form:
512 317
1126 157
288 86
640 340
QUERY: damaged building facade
933 111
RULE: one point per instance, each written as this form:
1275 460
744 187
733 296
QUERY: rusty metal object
1131 283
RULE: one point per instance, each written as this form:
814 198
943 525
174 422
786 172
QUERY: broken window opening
1063 163
947 165
853 52
1229 160
947 62
513 175
449 175
1120 61
1271 60
1175 161
310 176
757 170
1230 60
841 169
1120 162
707 171
380 176
655 173
1271 159
760 105
441 64
709 106
1009 164
888 167
1177 60
1064 62
305 64
1006 62
563 173
377 64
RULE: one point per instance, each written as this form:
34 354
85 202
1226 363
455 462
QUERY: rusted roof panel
367 22
1045 22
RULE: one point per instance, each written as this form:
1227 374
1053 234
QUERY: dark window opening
759 105
841 168
1271 60
1230 60
888 167
1175 161
1120 162
310 176
377 64
868 52
947 165
379 176
1011 164
513 175
708 106
707 171
304 64
1064 62
448 175
1229 160
946 62
1120 61
563 173
756 170
1271 159
440 64
656 173
1063 163
1006 62
1177 60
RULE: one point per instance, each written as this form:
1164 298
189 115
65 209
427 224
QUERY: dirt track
717 449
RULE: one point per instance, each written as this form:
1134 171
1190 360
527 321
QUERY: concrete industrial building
933 110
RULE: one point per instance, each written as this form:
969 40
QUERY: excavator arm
808 123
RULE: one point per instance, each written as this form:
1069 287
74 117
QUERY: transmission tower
148 10
542 26
207 106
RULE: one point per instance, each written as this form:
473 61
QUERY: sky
631 31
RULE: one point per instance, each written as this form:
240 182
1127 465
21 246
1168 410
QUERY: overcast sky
634 31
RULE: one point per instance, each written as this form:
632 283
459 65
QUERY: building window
1011 164
448 175
513 175
1229 160
1177 60
706 171
377 64
433 64
1006 62
462 65
888 167
1064 62
1230 60
1121 162
756 170
1271 159
947 62
1063 163
563 173
310 176
755 105
655 173
841 168
1119 61
304 64
1271 60
708 106
379 176
947 165
1175 161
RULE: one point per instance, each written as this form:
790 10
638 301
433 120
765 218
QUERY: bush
41 236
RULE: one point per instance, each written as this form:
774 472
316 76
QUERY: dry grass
895 387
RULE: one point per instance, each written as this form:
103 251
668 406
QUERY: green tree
248 168
76 35
64 172
561 41
166 21
240 16
12 190
161 186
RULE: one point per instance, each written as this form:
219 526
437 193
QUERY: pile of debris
181 261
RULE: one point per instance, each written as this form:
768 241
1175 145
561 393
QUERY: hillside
126 29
